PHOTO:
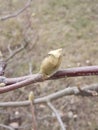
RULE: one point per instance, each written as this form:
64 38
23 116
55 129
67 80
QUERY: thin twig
30 68
9 49
56 114
3 65
31 99
65 92
16 13
33 116
7 127
13 53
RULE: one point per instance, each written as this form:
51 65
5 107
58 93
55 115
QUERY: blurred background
47 25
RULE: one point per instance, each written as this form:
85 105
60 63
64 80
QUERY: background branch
57 115
65 92
3 62
7 127
16 13
13 53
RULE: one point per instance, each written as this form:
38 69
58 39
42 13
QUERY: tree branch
19 82
35 78
16 13
32 108
7 127
77 71
69 72
13 53
65 92
57 115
